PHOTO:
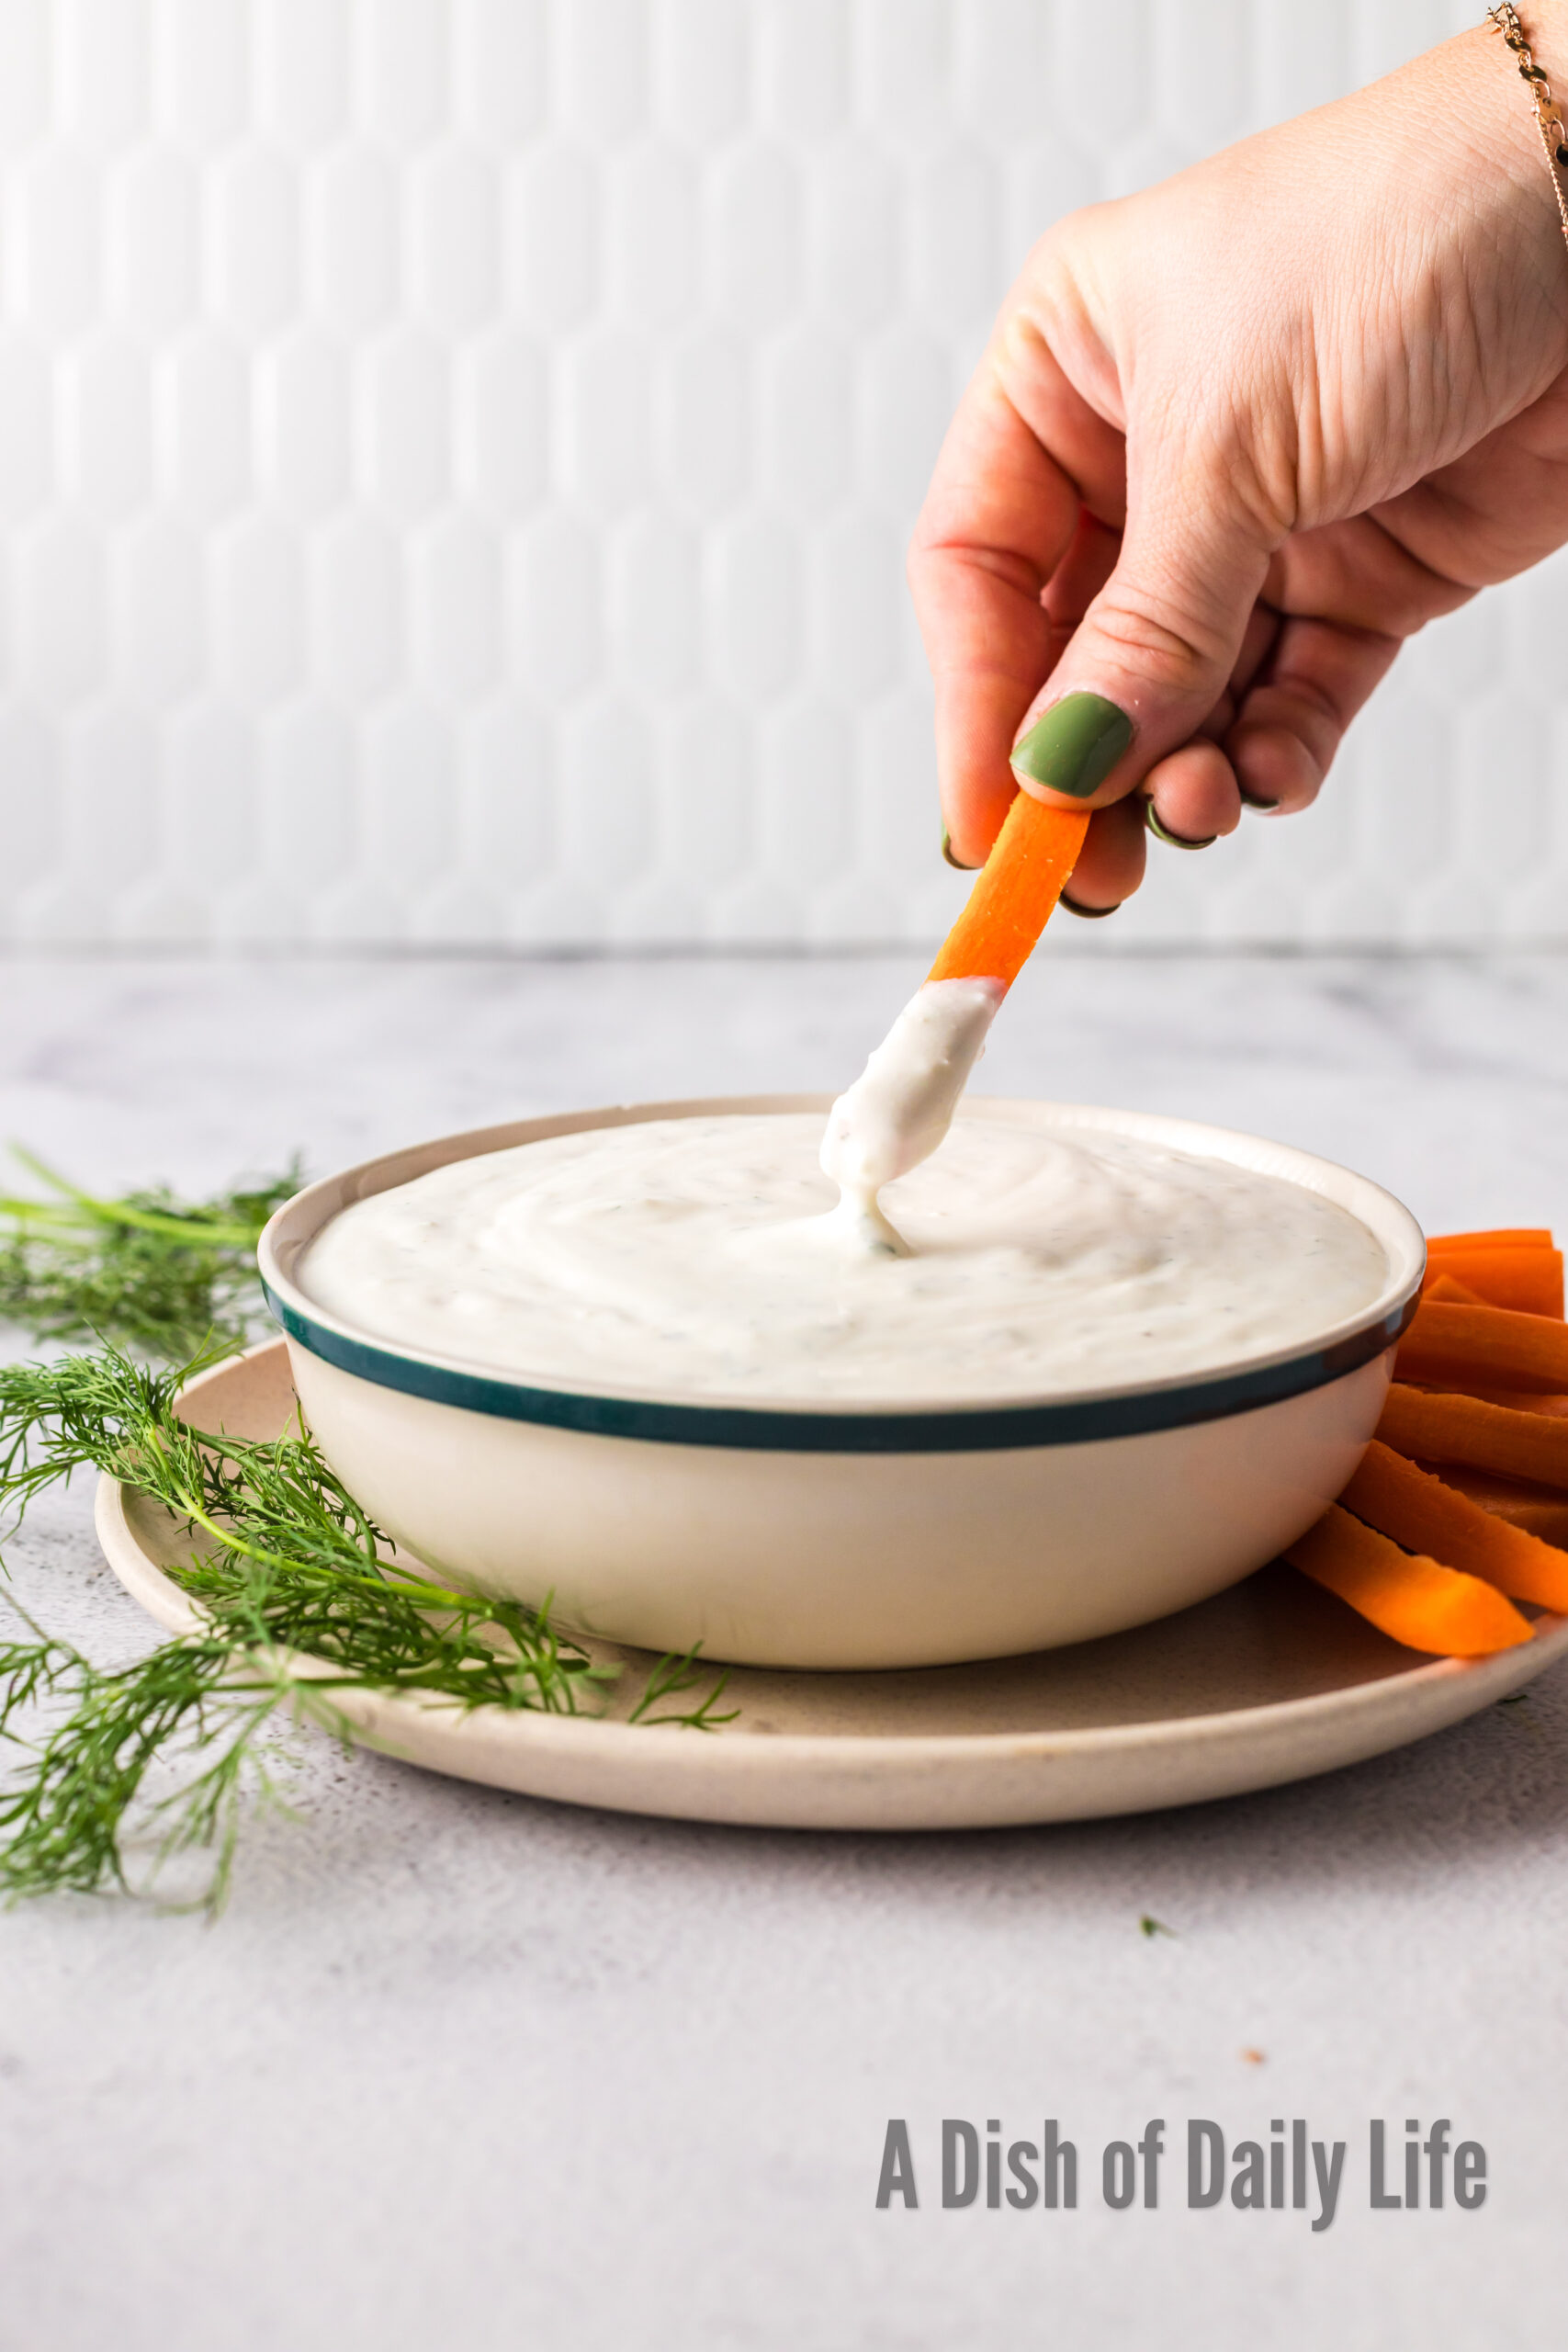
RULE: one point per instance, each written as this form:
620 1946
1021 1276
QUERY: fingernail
1178 841
1088 914
1076 745
957 862
1253 800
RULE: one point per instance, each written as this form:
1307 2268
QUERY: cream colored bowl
885 1535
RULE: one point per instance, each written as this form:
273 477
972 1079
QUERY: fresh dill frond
148 1271
298 1597
670 1677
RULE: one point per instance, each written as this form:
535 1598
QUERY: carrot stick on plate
1539 1510
1415 1600
1526 1276
1400 1499
1436 1429
1463 1492
1500 1237
1518 1400
1014 893
1445 1291
1455 1346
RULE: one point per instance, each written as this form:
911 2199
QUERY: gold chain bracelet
1548 118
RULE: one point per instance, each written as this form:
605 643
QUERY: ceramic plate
1271 1681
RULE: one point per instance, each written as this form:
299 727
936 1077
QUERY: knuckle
1179 651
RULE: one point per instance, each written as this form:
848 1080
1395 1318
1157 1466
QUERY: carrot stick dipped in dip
898 1111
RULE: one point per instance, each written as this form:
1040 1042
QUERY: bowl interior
296 1225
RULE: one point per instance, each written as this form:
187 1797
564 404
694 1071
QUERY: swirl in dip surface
703 1256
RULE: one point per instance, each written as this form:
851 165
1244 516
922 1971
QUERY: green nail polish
1075 746
1255 800
1176 840
957 862
1087 914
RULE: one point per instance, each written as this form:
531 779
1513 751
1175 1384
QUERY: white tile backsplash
456 458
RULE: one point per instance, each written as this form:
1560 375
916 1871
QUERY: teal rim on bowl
879 1427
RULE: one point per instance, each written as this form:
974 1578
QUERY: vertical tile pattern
456 457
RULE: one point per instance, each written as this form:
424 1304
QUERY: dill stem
196 1226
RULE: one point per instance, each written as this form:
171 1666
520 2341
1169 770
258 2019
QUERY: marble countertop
465 2069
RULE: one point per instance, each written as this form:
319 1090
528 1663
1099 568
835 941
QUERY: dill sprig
297 1596
148 1271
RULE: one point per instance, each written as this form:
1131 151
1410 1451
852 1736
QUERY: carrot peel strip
1414 1600
1014 893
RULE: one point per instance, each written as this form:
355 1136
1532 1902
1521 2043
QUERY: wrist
1494 186
1525 60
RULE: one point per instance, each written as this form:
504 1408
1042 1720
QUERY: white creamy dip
702 1257
901 1105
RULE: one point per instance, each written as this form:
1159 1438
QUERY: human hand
1231 441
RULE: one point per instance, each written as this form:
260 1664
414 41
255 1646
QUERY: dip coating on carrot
897 1113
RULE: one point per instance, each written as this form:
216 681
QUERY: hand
1234 440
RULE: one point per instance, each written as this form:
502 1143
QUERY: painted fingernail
957 862
1075 746
1255 800
1178 841
1088 914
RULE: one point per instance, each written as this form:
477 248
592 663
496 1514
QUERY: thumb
1152 654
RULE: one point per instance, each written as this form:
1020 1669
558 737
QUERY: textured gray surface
459 2068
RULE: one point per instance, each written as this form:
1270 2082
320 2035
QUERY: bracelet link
1504 19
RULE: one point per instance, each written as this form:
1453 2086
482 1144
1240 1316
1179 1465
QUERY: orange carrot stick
1529 1281
1502 1236
1483 1437
1517 1400
1454 1347
1416 1600
1014 893
1446 1291
1392 1495
1536 1509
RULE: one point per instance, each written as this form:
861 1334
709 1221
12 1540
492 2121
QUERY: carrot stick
1528 1280
1502 1236
1014 893
1443 1288
1416 1600
1517 1400
1392 1495
1534 1509
1447 1346
1483 1437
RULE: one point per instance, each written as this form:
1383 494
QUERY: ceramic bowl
794 1534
